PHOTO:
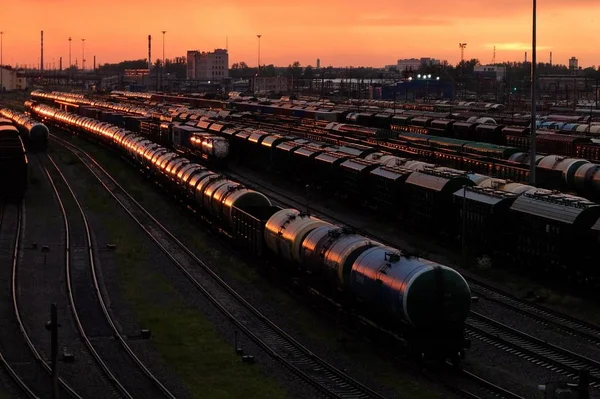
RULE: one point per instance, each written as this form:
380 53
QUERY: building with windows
208 65
414 64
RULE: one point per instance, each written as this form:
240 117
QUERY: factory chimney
551 58
94 63
149 52
42 53
60 64
526 56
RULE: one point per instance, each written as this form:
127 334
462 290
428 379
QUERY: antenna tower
494 57
462 51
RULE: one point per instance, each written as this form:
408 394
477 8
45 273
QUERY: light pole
533 105
70 52
258 36
1 63
162 65
83 55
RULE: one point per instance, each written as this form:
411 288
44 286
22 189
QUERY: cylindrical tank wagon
35 134
13 163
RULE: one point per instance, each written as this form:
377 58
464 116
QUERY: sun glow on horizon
340 33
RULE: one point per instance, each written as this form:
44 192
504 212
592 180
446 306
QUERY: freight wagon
13 163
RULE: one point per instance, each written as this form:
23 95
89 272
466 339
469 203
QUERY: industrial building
11 81
490 72
208 65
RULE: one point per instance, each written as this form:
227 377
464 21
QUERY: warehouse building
10 80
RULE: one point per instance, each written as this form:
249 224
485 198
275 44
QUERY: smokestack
94 63
149 51
42 53
60 64
526 56
551 58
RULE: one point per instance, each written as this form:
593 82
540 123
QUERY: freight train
34 134
13 163
531 238
331 112
185 139
426 302
556 172
518 225
583 144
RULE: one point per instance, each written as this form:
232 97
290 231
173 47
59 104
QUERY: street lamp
70 52
258 36
83 55
162 65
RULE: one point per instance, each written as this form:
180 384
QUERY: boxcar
489 133
485 213
430 198
386 187
549 233
353 178
464 130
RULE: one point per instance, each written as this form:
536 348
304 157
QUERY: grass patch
187 342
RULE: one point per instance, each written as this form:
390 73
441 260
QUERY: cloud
387 21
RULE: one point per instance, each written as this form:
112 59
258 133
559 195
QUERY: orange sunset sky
339 32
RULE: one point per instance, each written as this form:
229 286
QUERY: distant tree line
463 72
176 66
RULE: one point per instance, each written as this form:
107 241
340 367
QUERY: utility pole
52 326
533 102
42 51
258 70
162 66
1 63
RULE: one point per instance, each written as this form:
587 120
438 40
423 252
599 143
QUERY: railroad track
28 369
309 367
568 324
506 338
288 200
129 376
535 350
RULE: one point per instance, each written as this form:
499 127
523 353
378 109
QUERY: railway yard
212 249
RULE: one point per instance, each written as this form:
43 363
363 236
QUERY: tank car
13 164
34 134
397 290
